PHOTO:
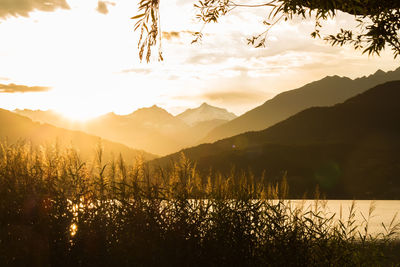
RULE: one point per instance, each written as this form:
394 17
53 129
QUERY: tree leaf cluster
378 21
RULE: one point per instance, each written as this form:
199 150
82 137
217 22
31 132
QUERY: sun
78 114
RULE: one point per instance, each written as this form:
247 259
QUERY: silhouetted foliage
378 21
56 210
148 20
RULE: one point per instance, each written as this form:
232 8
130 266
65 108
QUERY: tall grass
57 210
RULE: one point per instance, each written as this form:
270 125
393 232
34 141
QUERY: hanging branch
148 21
378 28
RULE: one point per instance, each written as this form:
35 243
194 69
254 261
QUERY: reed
56 210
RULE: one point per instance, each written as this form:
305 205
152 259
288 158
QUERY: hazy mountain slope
15 127
156 117
43 116
325 92
203 113
151 129
350 150
196 133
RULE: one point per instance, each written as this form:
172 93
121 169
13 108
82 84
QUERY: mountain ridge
152 128
205 112
23 128
350 150
325 92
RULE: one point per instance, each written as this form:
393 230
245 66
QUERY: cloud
15 88
102 7
203 58
233 97
170 35
284 38
184 2
23 7
138 70
229 97
174 34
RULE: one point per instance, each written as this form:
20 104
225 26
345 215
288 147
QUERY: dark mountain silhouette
16 127
350 150
326 92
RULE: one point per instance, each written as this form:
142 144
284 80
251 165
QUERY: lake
384 211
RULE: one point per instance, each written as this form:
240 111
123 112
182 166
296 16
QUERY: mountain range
19 128
152 129
334 133
155 130
326 92
350 150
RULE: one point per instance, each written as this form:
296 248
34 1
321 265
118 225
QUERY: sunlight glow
90 60
73 229
78 114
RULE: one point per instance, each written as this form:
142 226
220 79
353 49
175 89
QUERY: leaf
152 15
138 16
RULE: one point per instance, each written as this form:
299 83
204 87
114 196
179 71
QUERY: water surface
384 212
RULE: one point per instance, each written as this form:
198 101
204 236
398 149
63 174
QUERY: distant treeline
57 210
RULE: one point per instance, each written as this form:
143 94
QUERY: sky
80 58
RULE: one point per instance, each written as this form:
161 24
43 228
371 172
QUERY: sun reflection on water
73 229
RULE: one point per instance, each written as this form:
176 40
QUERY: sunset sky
79 57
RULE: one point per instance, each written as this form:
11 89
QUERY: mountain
16 127
155 117
350 150
145 118
152 129
203 113
196 133
44 116
326 92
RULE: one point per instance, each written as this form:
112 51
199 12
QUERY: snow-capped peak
205 112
